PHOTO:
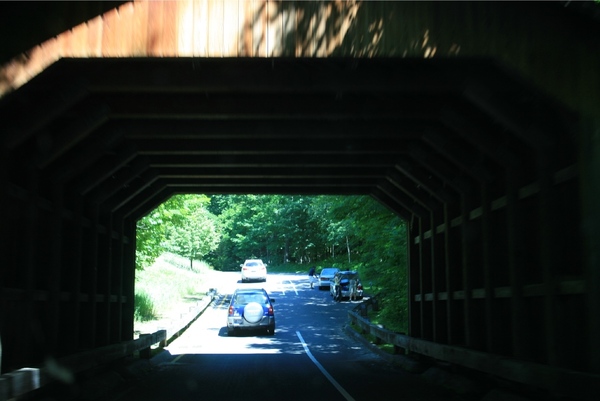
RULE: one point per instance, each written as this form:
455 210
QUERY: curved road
308 358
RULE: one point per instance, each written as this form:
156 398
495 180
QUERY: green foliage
150 235
182 225
163 286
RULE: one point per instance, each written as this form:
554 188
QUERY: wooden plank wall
194 28
273 28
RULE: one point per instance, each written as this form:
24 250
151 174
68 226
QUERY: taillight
231 310
270 311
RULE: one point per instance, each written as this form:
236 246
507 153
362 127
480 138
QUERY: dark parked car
250 309
345 278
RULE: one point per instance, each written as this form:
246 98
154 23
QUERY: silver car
326 277
254 269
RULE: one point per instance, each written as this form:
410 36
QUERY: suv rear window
243 299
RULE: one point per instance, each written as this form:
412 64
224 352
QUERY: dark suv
344 278
250 309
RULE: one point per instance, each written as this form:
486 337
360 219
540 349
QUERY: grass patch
166 284
387 348
383 319
144 308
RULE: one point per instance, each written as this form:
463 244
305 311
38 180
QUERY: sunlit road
308 358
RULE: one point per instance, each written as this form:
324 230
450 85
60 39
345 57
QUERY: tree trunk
348 248
286 255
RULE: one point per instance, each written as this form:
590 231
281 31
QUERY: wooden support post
421 278
76 260
515 267
55 265
487 273
107 273
466 280
450 303
413 282
128 273
93 289
547 249
117 262
432 261
590 156
29 256
145 353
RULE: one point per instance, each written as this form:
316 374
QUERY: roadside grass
163 286
144 308
388 348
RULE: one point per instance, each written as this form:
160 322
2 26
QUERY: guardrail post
398 350
145 353
363 310
163 343
4 389
375 304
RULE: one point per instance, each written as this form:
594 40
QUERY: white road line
178 358
293 286
322 369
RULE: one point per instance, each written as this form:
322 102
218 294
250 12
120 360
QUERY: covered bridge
478 123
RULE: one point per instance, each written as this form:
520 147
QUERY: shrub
144 308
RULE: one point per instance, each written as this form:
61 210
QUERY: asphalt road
308 358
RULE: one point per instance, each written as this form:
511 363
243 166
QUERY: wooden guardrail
581 385
25 380
177 327
22 381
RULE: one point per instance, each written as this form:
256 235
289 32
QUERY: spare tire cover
253 312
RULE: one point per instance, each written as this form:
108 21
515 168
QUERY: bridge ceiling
125 134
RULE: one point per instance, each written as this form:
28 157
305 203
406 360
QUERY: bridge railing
25 380
563 382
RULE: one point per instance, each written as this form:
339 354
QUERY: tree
150 234
181 225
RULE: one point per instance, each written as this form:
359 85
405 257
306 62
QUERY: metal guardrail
25 380
584 386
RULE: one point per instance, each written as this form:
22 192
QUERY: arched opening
196 237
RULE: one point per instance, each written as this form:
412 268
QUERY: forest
291 234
